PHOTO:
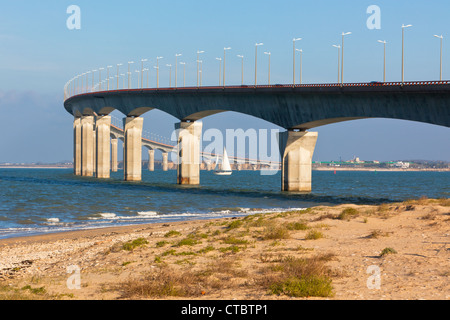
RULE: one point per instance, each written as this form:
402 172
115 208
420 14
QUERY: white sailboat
226 168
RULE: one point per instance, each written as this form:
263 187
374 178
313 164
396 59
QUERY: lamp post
87 80
138 71
176 67
147 70
157 71
440 73
198 59
82 85
403 50
170 74
93 79
184 73
256 60
107 76
220 68
142 72
242 69
339 61
269 54
200 62
301 64
100 77
118 65
224 50
293 68
384 60
129 74
342 61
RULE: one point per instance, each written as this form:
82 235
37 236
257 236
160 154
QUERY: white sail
217 163
225 162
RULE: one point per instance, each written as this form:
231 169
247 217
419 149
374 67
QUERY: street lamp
138 71
242 68
342 61
176 67
403 50
87 80
269 54
118 65
142 72
93 79
339 61
442 38
201 71
220 67
198 59
184 73
100 77
107 75
147 70
301 64
384 63
224 50
293 69
170 74
256 60
129 74
157 70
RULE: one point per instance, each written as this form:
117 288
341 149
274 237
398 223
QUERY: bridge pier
87 146
103 149
189 143
77 146
132 150
297 148
114 164
151 160
165 163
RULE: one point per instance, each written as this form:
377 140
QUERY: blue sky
38 54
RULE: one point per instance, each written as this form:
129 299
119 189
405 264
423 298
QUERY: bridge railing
70 91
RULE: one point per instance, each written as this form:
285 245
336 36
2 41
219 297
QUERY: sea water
36 201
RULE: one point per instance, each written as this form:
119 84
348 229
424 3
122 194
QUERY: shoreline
238 258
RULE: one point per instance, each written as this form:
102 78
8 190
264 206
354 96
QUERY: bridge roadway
296 108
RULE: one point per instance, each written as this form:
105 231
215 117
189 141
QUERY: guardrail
80 91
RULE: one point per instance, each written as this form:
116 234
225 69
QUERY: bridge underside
287 107
296 109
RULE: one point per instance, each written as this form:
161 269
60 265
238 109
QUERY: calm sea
35 201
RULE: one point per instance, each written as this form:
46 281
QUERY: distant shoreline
382 169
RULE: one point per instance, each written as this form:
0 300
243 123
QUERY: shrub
387 251
348 213
273 233
311 286
172 233
314 235
131 245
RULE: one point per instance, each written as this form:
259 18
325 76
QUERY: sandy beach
397 251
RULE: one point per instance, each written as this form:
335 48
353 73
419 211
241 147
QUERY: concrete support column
151 160
114 164
87 146
94 152
165 164
297 149
132 150
77 146
189 144
103 149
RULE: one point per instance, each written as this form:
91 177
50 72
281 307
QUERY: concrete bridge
297 108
